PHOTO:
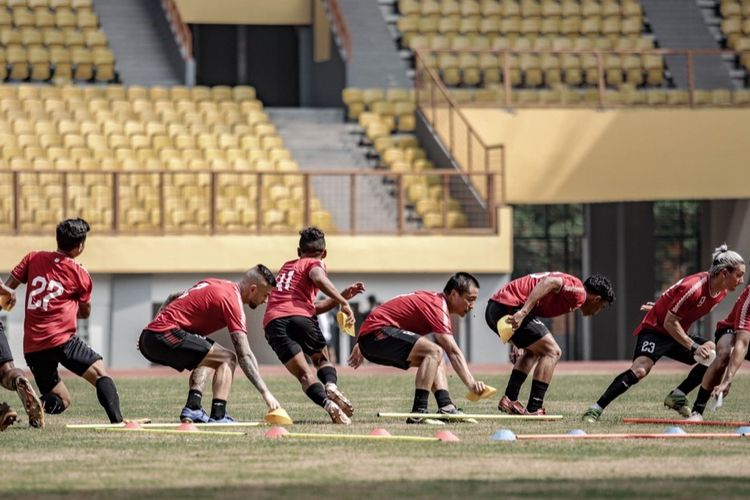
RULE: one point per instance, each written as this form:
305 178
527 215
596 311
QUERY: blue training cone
503 435
674 430
744 430
577 432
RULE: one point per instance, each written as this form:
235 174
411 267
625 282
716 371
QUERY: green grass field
60 463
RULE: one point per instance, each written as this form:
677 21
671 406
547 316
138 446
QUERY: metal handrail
112 180
340 27
471 132
182 31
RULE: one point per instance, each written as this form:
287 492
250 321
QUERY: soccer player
177 338
663 331
415 330
58 291
732 337
291 324
525 300
13 379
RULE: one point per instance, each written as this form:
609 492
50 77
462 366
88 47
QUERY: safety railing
603 77
340 27
180 29
356 201
450 124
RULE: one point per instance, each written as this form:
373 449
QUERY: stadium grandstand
497 137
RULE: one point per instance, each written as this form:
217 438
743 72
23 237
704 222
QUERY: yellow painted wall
561 156
347 254
271 12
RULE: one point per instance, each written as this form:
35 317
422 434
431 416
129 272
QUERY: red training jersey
739 318
55 285
295 291
418 312
210 305
689 299
570 297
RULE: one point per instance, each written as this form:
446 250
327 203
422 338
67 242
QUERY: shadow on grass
643 487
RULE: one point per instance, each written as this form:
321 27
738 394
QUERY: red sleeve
685 297
312 264
573 291
86 286
21 271
441 319
234 313
742 319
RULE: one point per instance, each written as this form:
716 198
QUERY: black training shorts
75 355
654 345
291 335
5 353
388 346
531 329
176 348
728 331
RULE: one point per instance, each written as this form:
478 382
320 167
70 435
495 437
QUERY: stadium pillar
620 245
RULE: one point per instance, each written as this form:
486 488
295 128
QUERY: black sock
327 375
619 385
536 397
443 398
421 400
700 401
317 393
194 399
694 378
517 378
218 409
106 392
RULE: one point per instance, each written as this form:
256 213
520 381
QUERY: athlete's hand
352 290
346 308
355 358
478 387
7 299
704 350
722 388
270 401
516 319
514 354
647 306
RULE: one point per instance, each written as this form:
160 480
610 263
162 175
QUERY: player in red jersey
58 292
525 300
732 337
415 330
663 331
291 325
177 338
12 378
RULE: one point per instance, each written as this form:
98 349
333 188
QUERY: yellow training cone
504 329
343 325
279 416
488 392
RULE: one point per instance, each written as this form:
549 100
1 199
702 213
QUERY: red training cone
379 432
187 426
132 425
446 436
276 432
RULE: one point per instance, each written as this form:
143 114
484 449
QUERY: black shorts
654 345
531 329
289 335
728 331
75 355
176 348
5 354
388 346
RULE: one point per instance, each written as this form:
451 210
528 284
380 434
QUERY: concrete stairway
375 60
139 40
679 24
320 139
